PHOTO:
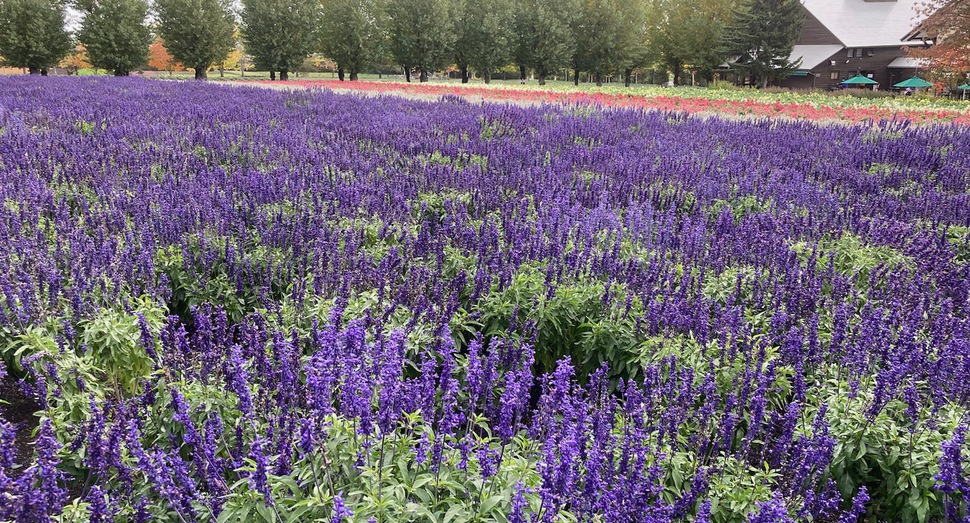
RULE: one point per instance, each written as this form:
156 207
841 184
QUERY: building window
850 53
870 52
834 75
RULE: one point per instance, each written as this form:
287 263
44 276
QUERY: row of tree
599 37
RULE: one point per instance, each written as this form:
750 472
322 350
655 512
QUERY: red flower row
752 108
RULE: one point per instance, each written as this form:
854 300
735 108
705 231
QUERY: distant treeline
599 38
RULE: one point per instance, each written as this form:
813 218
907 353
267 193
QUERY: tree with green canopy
352 34
280 34
198 33
607 32
688 34
114 34
422 35
583 31
762 36
545 39
32 34
484 41
634 20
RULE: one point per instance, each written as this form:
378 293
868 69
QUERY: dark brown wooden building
844 38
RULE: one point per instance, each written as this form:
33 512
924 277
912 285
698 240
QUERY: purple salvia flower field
235 304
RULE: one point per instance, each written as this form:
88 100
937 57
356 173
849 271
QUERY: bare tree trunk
599 79
522 76
487 77
200 73
422 74
541 75
627 75
284 75
576 76
272 76
340 74
353 75
407 74
464 74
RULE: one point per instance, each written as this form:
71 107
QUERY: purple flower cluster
606 313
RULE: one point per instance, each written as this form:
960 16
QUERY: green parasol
914 82
859 80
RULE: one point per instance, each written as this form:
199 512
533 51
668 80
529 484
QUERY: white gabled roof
857 23
905 62
813 55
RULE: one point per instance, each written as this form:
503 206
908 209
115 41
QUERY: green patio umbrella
914 82
963 90
859 80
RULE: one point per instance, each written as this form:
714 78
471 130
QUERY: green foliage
495 128
484 35
108 359
114 34
280 34
853 257
114 341
608 34
959 239
668 195
685 35
422 34
380 478
736 493
741 206
32 34
763 33
722 85
733 281
544 36
887 455
572 322
634 23
880 169
434 207
86 128
197 33
32 341
190 288
352 33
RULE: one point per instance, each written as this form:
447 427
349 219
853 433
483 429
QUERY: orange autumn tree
160 59
231 62
76 60
947 26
